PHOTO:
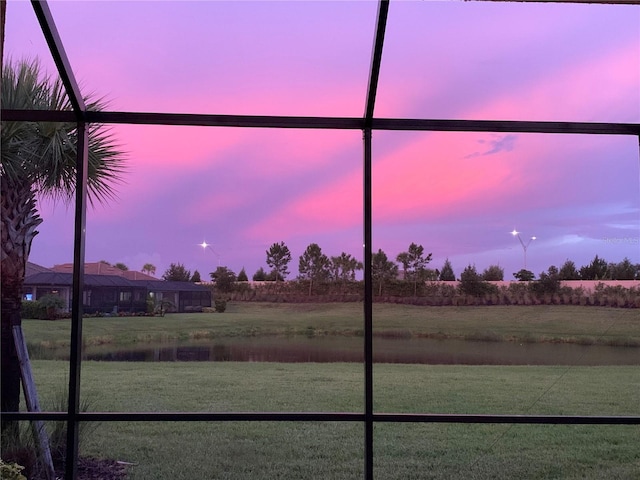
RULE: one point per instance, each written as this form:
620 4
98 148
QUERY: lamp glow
515 233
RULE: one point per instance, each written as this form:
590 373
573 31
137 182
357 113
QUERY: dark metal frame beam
372 91
327 417
376 60
328 123
48 26
75 359
72 88
368 304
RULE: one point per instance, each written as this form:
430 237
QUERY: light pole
205 245
515 233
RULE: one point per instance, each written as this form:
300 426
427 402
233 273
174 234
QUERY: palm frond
44 153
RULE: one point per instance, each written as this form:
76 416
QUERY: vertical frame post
372 90
368 311
73 405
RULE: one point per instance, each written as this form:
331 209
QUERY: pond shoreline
331 349
498 326
478 336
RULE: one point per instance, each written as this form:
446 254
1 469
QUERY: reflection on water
350 349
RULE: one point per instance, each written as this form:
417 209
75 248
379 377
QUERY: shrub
493 273
220 305
471 283
32 309
151 305
524 275
548 283
51 304
11 471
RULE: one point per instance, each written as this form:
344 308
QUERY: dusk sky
458 194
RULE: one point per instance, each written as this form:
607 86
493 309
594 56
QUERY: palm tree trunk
19 222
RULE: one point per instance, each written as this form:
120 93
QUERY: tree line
410 266
317 267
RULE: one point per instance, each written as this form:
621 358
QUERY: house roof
135 275
164 286
33 268
66 279
102 268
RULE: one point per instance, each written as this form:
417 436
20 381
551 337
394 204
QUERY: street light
205 245
515 233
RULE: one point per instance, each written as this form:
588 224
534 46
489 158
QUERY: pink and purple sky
457 194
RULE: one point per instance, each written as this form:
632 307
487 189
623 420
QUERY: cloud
496 143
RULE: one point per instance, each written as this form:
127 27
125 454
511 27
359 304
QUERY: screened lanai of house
356 125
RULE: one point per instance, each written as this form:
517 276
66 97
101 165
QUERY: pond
385 350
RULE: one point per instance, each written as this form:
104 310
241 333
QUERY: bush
51 304
471 283
548 283
46 307
220 305
151 305
11 471
33 310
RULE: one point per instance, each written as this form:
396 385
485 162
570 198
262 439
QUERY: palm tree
38 161
149 269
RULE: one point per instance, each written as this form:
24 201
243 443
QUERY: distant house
111 291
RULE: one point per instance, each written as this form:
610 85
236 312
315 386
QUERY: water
350 349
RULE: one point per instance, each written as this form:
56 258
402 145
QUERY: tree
224 279
414 264
176 273
260 275
278 258
242 276
624 270
596 270
472 283
195 277
121 266
548 282
149 269
39 161
493 273
274 276
446 274
568 271
343 268
313 265
524 275
382 269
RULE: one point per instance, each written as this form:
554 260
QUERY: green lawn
334 450
531 323
236 450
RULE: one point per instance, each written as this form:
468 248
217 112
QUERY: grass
586 325
235 450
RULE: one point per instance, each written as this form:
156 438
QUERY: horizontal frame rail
326 417
335 123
